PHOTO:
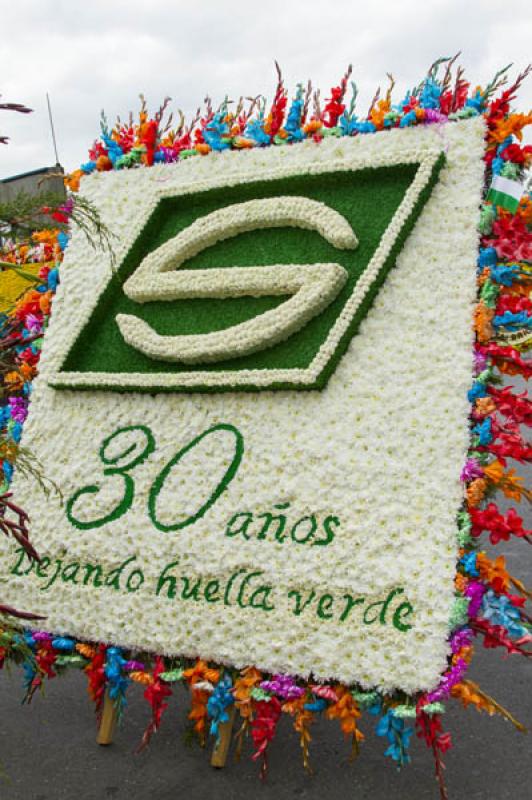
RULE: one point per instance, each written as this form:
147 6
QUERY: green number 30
140 452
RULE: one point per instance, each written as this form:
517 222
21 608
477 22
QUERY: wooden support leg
221 748
107 725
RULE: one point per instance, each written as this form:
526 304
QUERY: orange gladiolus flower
86 650
475 492
507 482
242 143
303 719
464 654
485 406
512 125
483 277
513 488
45 237
104 163
201 672
198 710
468 696
525 210
493 571
14 381
198 713
482 322
494 472
469 692
8 450
346 711
378 113
139 676
248 680
72 181
313 126
45 302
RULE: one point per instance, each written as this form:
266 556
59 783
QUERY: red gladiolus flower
517 154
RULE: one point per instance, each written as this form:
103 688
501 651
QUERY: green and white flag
505 193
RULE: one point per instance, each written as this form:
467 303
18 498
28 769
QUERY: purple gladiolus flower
471 470
18 408
283 686
454 676
461 639
475 591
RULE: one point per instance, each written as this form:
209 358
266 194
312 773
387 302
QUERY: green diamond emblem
256 286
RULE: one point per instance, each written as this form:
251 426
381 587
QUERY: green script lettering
324 604
164 578
401 612
383 605
213 497
300 605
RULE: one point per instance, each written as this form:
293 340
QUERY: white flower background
381 448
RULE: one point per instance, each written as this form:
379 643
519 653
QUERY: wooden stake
221 748
107 725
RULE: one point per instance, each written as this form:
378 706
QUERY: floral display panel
257 417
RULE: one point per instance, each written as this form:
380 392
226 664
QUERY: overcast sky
94 54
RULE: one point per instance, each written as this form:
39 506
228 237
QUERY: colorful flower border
485 605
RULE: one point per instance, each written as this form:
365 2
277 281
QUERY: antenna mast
52 129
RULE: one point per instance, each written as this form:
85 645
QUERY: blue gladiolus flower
376 708
504 274
117 682
469 563
513 321
487 257
404 102
497 164
62 240
393 728
16 432
114 151
483 431
504 144
365 127
477 390
29 674
215 132
218 703
61 643
293 120
430 95
476 102
408 119
498 610
8 471
318 705
53 279
255 131
347 124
